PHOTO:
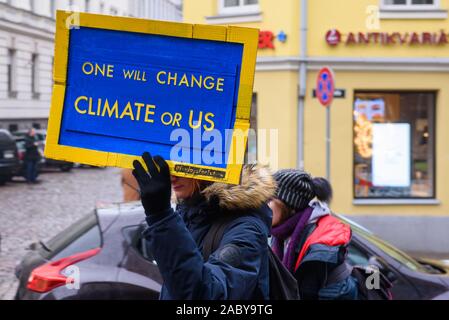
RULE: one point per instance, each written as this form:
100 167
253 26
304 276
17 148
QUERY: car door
360 254
139 276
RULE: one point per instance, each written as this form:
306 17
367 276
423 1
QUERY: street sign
124 86
338 93
325 86
325 91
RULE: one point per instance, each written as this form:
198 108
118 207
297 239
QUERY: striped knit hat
295 188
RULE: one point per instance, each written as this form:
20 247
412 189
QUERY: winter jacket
31 149
323 249
238 269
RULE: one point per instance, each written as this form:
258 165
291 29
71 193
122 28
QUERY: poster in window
371 110
391 155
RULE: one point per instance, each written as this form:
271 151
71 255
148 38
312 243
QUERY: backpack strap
215 235
339 273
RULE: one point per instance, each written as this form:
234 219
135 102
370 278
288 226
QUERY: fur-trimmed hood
256 188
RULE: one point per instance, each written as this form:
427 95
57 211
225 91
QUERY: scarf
291 228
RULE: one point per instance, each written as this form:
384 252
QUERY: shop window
410 4
238 6
394 145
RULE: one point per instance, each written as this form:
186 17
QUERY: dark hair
322 189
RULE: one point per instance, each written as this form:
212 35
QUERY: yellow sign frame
246 36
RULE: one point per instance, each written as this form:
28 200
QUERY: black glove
155 185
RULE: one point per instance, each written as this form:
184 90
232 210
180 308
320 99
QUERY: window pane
395 2
249 2
427 2
231 3
394 145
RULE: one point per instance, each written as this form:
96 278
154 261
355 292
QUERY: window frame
409 6
35 75
12 73
241 8
432 123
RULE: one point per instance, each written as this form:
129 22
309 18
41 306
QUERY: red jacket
330 232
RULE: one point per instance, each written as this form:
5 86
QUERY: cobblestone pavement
29 213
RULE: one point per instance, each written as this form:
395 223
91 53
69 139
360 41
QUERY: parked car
107 250
9 158
41 136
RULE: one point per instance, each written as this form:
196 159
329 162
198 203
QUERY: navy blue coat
238 269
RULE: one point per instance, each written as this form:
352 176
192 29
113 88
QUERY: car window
356 256
393 252
91 239
82 235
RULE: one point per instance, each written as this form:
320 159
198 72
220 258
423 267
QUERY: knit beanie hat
295 188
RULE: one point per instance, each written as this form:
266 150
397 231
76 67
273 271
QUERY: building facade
26 50
389 156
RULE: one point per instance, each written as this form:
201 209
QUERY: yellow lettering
110 72
98 109
99 69
220 84
90 111
77 102
159 77
139 108
108 109
90 65
149 112
184 81
166 123
211 84
196 81
197 124
208 120
170 78
177 119
128 74
128 112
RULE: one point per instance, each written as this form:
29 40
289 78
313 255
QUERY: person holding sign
238 269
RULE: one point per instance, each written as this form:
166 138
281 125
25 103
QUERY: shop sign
334 37
338 93
266 39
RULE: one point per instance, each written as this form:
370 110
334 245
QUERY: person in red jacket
309 241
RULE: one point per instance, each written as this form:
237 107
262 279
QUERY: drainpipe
302 81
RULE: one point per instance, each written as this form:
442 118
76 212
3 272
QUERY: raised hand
155 184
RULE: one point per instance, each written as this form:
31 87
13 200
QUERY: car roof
5 135
126 214
5 131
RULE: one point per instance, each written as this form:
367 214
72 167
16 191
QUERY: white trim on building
354 64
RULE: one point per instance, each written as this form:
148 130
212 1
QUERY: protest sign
123 86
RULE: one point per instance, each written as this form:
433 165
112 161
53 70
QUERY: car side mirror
383 267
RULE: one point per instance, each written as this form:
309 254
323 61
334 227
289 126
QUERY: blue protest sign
124 92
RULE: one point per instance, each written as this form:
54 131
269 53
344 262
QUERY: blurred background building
26 50
389 149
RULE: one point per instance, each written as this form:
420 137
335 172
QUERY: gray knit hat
295 188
